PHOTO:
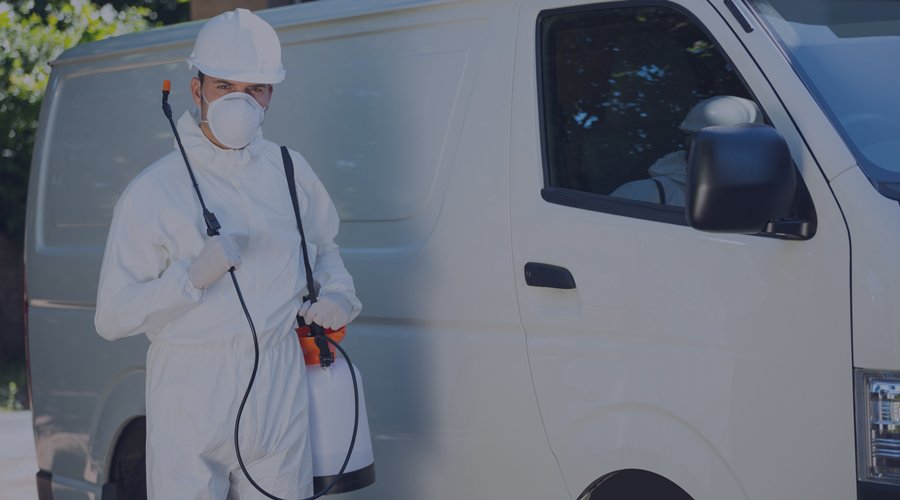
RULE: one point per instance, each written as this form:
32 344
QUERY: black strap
326 358
289 175
662 192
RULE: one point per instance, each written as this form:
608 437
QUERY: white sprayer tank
331 412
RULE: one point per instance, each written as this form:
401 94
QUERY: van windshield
846 51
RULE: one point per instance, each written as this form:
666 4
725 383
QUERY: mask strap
203 98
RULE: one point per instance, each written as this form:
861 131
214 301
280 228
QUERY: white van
525 334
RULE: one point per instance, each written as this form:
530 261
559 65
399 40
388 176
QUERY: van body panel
70 397
74 196
691 353
876 271
415 74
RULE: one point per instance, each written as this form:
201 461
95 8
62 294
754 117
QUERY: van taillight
25 331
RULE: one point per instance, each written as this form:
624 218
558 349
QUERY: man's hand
219 254
330 311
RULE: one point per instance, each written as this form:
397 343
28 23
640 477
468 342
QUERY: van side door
721 362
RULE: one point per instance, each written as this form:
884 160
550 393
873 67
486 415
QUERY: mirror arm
789 229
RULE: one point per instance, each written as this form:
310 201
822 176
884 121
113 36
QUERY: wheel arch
631 483
120 413
595 451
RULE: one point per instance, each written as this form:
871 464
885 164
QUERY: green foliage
12 386
160 11
32 34
10 403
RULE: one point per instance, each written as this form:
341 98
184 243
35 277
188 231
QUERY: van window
846 55
615 85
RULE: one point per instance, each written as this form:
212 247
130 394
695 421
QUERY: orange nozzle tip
167 85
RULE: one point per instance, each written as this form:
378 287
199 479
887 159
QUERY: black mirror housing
739 178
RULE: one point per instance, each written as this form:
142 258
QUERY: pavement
18 464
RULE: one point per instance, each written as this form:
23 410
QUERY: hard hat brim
239 75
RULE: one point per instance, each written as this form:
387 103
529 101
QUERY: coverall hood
672 165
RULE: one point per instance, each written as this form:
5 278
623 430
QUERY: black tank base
350 481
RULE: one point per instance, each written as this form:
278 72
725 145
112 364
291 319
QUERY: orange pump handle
308 342
167 85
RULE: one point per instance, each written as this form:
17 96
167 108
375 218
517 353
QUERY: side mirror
741 179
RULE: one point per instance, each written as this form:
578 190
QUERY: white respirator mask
234 119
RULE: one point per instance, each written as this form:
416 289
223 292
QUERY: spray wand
326 358
212 224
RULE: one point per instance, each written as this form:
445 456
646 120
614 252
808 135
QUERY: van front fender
120 402
639 436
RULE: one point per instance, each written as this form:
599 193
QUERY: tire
635 484
128 471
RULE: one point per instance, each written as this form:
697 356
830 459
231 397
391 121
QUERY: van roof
278 17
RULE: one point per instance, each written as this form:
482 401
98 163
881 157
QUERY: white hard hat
240 46
721 110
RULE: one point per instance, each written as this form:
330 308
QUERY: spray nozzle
212 224
167 87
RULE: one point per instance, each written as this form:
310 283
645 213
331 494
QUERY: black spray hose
237 421
212 229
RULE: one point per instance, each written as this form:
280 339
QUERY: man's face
213 88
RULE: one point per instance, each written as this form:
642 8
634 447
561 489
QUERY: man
162 276
667 174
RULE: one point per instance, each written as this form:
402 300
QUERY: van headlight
878 426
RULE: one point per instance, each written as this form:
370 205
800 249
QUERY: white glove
330 311
219 254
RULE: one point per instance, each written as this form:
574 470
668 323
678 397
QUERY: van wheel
128 471
630 484
133 484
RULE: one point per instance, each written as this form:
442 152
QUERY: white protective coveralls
670 171
668 174
201 351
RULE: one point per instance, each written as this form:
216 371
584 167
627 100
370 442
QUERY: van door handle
548 276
